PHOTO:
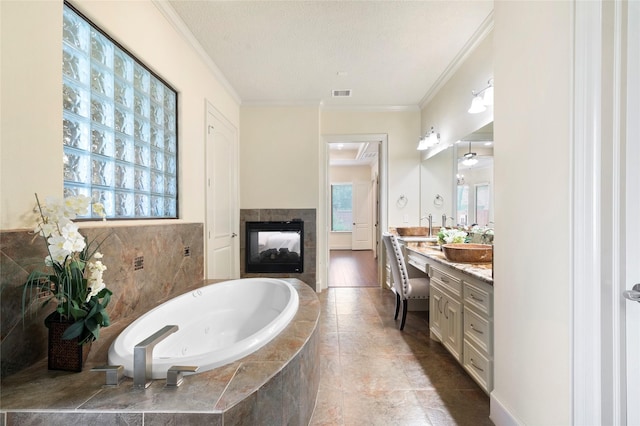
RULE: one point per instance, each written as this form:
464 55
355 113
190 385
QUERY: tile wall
172 261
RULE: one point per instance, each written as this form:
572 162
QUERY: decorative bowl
468 253
413 231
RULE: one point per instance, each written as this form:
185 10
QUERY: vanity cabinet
478 332
445 304
460 312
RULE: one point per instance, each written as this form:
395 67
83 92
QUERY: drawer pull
475 298
444 279
475 329
474 365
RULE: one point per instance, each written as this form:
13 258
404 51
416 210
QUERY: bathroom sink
413 231
468 253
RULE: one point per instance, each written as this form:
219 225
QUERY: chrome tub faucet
143 356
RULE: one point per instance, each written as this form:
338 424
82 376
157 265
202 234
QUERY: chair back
396 262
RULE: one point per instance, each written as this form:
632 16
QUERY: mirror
460 191
474 178
437 174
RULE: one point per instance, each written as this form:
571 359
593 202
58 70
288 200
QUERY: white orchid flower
57 249
77 205
74 240
98 208
95 278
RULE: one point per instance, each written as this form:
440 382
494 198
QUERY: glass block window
119 126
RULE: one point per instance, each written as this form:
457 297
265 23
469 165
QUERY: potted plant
452 235
72 278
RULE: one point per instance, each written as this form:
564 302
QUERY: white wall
532 63
279 157
31 78
447 110
346 174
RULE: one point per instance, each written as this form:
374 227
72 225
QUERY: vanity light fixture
482 98
430 139
470 157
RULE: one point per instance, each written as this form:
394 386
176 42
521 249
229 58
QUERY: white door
362 217
632 216
222 249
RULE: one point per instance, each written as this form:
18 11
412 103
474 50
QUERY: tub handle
142 356
174 374
115 373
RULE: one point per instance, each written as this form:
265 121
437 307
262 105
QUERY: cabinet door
436 304
452 338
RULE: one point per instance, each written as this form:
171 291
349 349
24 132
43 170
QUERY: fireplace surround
306 215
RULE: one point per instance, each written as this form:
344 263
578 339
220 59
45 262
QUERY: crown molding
483 30
372 108
178 24
309 103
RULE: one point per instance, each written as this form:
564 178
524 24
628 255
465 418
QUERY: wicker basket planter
66 355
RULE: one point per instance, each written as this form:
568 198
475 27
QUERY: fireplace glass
274 246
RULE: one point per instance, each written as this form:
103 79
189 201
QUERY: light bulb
477 105
470 161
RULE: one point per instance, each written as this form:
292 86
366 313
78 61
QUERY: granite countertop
481 271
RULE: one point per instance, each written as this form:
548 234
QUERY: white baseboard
499 414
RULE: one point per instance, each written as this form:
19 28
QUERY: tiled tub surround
275 385
308 216
166 272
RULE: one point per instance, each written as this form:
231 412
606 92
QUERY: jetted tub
218 324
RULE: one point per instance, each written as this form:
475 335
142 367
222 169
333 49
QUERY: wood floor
349 268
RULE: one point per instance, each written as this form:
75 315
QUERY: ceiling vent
342 93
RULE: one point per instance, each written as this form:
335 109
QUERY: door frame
598 385
324 203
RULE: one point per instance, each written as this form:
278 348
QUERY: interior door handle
633 294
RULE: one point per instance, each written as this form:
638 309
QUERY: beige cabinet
460 315
446 291
478 332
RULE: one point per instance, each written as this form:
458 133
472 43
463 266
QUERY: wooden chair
405 288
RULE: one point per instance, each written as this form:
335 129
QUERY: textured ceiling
392 53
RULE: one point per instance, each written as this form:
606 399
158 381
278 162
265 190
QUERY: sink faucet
487 236
142 356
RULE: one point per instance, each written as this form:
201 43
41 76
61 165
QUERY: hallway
374 374
352 268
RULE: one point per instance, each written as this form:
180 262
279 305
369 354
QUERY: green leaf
106 321
73 331
93 310
77 312
105 295
92 325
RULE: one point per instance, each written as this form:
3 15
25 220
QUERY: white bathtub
218 324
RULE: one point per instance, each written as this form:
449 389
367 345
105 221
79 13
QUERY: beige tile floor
375 374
